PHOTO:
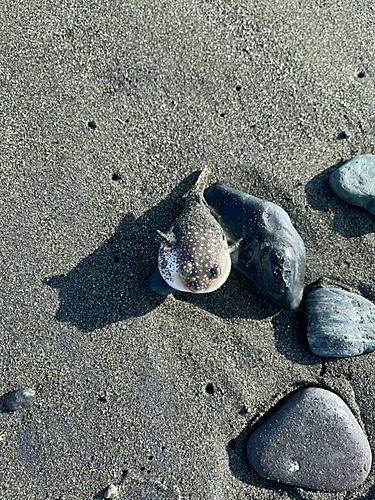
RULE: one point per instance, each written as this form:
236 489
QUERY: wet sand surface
158 395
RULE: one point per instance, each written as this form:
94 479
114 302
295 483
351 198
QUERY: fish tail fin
200 185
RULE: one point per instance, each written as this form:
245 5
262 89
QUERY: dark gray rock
354 182
339 324
20 399
271 257
312 441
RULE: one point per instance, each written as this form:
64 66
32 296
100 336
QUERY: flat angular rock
354 182
340 324
312 441
271 257
20 399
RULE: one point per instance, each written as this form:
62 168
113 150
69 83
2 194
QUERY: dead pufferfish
194 255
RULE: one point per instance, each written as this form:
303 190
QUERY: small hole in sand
210 388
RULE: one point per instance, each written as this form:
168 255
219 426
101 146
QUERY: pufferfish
194 256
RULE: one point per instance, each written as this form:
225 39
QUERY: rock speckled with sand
271 257
312 441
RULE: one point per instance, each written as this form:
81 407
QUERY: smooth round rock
312 441
271 257
339 324
354 182
20 399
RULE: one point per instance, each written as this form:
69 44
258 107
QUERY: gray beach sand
271 96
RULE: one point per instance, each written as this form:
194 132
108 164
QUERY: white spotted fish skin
194 255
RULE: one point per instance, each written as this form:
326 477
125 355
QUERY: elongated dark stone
339 324
271 257
312 441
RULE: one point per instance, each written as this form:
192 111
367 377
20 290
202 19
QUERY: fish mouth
195 287
183 284
169 267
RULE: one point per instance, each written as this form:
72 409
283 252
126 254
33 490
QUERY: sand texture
158 395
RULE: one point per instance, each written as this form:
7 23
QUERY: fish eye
186 268
215 272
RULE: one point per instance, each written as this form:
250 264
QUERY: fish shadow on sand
349 221
110 284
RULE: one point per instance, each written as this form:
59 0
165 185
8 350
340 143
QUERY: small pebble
92 124
339 324
111 492
354 182
312 441
20 399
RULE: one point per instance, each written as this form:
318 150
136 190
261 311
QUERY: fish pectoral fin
163 239
235 245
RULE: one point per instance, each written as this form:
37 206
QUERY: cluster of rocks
313 440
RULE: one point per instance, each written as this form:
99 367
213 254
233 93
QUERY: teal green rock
354 182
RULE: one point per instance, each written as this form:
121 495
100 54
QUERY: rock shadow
349 221
110 284
291 336
3 406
